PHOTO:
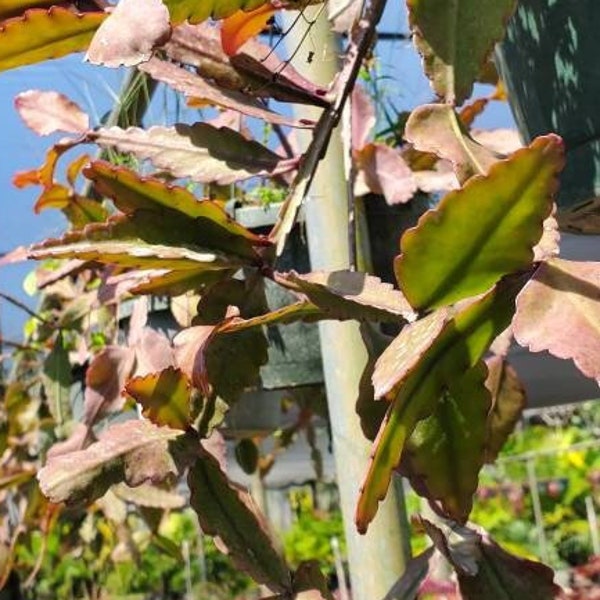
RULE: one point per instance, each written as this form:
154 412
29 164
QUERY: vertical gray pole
537 509
593 524
377 559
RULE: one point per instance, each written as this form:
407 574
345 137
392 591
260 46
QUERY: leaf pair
432 371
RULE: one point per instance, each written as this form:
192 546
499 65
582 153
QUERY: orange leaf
241 26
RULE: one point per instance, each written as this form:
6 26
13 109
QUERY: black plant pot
549 62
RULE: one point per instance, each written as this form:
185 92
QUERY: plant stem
361 42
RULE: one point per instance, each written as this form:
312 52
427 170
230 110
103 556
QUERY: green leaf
123 241
483 231
443 456
56 377
508 402
202 152
212 226
43 34
14 8
559 311
352 295
247 455
227 511
233 362
455 39
195 11
133 452
164 397
444 347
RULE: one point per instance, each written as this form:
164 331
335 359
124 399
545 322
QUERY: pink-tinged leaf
134 452
256 70
153 352
105 379
559 311
49 112
190 352
197 88
164 397
485 570
229 513
76 441
130 34
404 354
138 320
239 27
150 496
343 14
501 141
437 128
201 152
14 256
385 172
351 295
508 402
363 117
548 246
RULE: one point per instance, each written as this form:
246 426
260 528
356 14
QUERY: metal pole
593 524
339 569
537 509
377 559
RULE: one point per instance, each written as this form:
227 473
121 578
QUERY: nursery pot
549 63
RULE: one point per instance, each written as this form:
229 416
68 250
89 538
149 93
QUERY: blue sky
93 88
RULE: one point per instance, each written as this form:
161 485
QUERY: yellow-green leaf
44 34
448 348
455 39
164 397
483 231
445 452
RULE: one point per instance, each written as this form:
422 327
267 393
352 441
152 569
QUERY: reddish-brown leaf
198 88
49 112
508 402
559 311
130 34
485 570
105 379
